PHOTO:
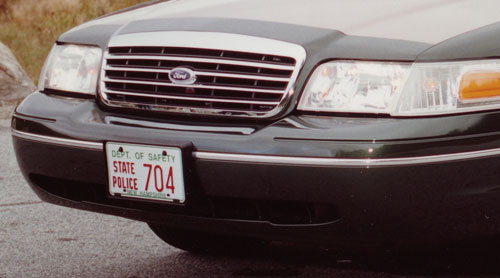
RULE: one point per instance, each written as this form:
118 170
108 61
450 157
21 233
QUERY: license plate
145 172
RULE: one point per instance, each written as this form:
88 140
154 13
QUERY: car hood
395 30
428 21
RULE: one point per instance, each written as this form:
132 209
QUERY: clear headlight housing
72 68
354 86
402 89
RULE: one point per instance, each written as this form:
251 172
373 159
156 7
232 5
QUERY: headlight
72 68
350 86
401 89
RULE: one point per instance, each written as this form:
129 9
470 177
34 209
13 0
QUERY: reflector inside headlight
72 68
354 86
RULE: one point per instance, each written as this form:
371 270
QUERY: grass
29 28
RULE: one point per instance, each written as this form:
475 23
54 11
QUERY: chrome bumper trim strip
88 145
344 162
282 160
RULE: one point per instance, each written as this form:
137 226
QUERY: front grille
229 82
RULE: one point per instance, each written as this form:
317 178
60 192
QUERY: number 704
157 172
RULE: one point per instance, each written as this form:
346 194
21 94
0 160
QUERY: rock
14 82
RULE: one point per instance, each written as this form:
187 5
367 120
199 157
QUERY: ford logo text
182 76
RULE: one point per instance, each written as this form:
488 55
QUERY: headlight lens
351 86
400 89
72 68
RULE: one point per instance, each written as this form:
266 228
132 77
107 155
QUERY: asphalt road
43 240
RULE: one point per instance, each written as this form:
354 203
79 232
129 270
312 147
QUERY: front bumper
324 180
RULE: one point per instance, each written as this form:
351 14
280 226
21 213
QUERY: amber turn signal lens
477 85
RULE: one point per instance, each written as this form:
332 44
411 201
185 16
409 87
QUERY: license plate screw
120 149
164 153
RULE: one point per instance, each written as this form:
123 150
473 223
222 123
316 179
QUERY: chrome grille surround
237 75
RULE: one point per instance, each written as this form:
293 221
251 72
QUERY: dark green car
230 122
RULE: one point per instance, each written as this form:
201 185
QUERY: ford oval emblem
183 76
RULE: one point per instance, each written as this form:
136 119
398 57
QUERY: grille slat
202 53
168 83
222 100
200 60
200 73
228 82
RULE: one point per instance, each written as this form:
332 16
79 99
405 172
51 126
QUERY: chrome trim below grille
236 75
167 126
